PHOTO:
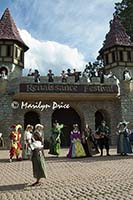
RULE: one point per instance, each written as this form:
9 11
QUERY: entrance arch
31 118
101 115
68 117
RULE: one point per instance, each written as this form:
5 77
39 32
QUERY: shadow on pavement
88 159
7 160
12 187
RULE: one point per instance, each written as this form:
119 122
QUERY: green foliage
124 11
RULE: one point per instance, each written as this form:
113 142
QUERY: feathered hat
18 126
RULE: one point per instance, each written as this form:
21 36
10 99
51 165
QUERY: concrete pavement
96 178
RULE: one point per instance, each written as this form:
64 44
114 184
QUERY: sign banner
66 88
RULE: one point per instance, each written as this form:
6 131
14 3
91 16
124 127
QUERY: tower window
16 53
21 56
121 55
128 56
106 59
113 56
8 53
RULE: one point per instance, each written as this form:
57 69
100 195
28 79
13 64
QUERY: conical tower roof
8 29
116 36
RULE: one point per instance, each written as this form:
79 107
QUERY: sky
60 34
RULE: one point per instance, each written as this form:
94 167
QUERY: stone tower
12 48
117 50
117 56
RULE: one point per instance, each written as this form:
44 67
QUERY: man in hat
103 137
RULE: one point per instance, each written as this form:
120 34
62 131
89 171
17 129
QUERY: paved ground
97 178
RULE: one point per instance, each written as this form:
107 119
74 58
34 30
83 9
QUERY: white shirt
36 145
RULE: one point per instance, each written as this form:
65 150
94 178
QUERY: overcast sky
61 34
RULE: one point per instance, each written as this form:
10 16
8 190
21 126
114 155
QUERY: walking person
38 160
123 142
26 153
15 144
88 142
76 148
103 137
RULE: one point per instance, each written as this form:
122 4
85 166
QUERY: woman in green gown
38 160
55 139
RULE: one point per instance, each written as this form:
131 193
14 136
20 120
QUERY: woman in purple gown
76 149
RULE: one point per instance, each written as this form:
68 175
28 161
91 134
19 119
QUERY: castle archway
68 117
31 118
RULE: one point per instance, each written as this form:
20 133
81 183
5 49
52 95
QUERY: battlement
70 80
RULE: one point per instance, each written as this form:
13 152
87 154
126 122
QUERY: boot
108 152
101 152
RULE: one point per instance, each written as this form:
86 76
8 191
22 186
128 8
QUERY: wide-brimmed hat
39 126
29 126
124 122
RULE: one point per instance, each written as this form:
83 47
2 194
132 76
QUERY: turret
12 48
117 50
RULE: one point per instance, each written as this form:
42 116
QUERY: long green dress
38 160
55 140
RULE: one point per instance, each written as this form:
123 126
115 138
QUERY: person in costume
123 142
103 137
55 139
38 160
40 128
1 140
88 142
15 144
18 130
76 148
26 154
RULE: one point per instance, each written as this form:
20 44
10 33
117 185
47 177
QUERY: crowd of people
91 70
83 143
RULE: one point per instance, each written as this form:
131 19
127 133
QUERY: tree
124 11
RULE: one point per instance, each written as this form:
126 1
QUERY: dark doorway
68 117
31 118
101 115
98 118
